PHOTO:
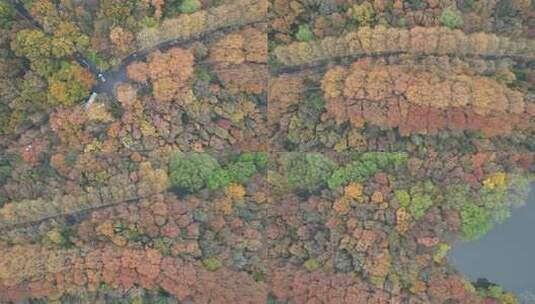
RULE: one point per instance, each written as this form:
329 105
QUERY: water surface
506 255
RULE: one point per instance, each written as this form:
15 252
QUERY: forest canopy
259 151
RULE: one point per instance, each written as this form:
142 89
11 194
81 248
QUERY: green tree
218 179
238 171
241 171
260 159
403 197
354 171
68 39
384 159
191 172
32 44
190 6
452 18
364 14
5 114
422 196
212 264
118 12
5 172
33 89
37 47
71 83
308 171
304 33
7 13
364 166
476 221
419 205
45 66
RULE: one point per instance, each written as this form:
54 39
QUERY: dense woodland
255 151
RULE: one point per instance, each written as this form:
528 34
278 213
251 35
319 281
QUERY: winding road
106 79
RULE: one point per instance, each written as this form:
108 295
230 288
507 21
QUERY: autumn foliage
387 143
333 246
68 270
168 73
416 41
421 101
240 60
70 84
185 26
284 91
122 39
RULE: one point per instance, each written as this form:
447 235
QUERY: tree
243 78
33 89
152 180
5 114
419 205
363 13
256 45
191 172
32 44
476 221
190 6
230 56
452 18
44 11
304 33
403 197
168 72
238 171
284 91
43 50
157 4
7 13
228 50
122 39
117 11
70 84
126 95
138 71
70 34
307 171
365 166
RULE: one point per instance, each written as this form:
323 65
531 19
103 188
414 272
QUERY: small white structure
91 100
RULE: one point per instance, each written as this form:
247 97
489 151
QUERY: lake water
506 255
